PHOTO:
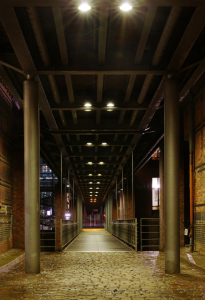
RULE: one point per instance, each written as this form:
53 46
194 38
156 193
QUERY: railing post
135 234
141 234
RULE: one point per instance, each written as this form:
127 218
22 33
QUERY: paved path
94 241
122 275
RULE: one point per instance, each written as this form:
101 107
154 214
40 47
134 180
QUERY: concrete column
31 178
106 212
171 177
110 199
79 212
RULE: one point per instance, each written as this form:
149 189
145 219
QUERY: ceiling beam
103 19
145 33
98 108
135 3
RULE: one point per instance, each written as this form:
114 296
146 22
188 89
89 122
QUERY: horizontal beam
98 131
122 107
135 4
102 71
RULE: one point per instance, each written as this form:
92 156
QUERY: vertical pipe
73 197
116 198
61 181
191 176
31 176
123 205
133 214
171 177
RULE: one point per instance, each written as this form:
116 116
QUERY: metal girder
101 71
100 107
89 131
135 3
145 33
60 34
103 19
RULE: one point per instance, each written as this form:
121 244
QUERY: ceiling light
98 182
89 144
110 104
97 188
101 163
90 182
84 7
104 144
99 174
91 188
91 192
125 6
96 193
90 163
87 104
90 174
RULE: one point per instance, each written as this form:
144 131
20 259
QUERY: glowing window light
84 6
125 6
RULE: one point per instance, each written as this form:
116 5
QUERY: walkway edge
11 264
184 260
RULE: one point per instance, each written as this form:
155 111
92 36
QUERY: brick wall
18 195
5 174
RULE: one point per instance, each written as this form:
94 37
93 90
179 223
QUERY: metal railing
125 230
149 233
47 234
69 230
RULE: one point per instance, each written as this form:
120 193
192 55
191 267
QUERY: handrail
125 230
150 233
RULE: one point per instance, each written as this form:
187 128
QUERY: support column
110 199
171 177
161 197
31 178
79 212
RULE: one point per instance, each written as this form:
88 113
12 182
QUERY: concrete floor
119 274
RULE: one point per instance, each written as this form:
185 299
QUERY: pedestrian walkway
97 241
128 275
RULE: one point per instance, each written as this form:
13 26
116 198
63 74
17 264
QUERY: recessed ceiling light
84 6
90 174
104 144
110 104
87 104
90 182
90 163
98 182
91 188
125 6
99 174
89 144
101 163
96 193
97 188
91 192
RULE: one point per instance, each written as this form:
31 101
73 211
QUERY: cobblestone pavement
101 275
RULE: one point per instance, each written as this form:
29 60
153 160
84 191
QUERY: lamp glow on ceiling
84 6
90 163
104 144
90 174
125 6
98 182
99 174
110 104
90 182
101 163
89 144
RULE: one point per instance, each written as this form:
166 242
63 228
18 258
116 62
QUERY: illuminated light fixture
98 182
110 104
90 174
99 174
101 163
91 188
67 185
90 182
89 144
96 193
95 199
125 6
104 144
84 7
97 188
90 163
91 192
87 104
